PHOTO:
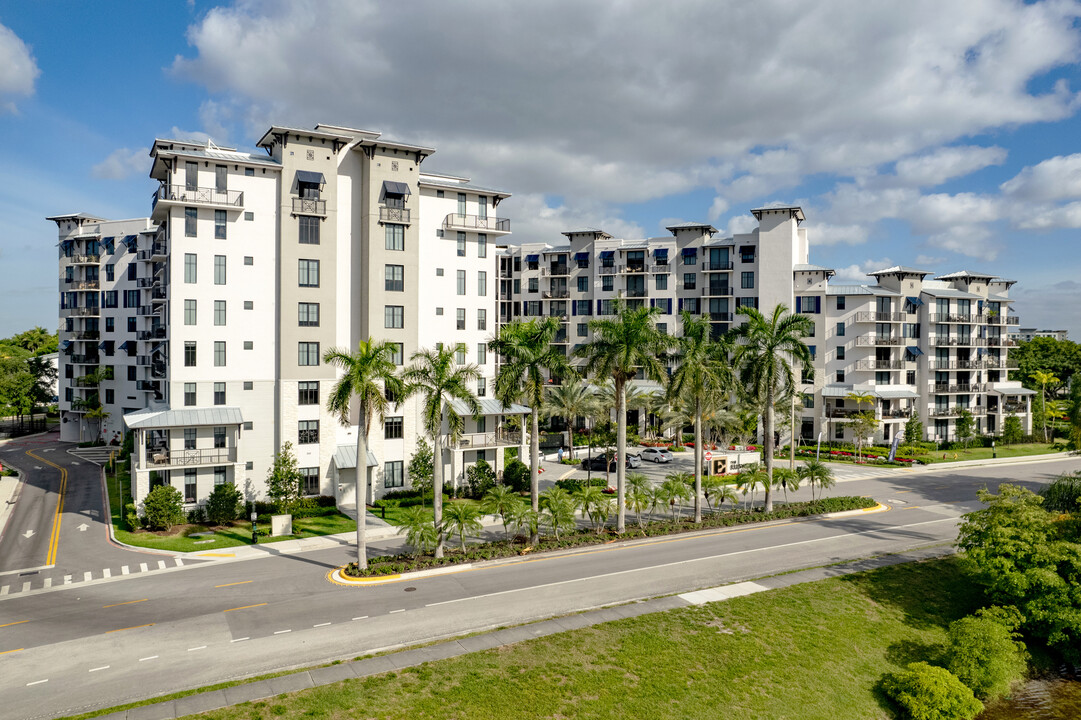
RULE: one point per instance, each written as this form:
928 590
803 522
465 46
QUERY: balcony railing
147 282
555 270
880 365
558 294
660 268
84 259
86 335
606 269
203 456
943 412
868 316
394 214
1001 342
86 381
718 266
939 341
84 359
637 292
82 312
84 285
309 206
489 439
879 340
505 295
635 268
720 317
158 251
958 388
844 412
151 334
148 385
894 413
716 291
183 195
1014 408
454 221
1012 320
956 318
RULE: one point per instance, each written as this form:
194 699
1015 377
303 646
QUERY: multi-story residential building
913 345
203 327
1026 334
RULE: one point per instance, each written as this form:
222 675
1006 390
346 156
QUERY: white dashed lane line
362 617
201 647
37 682
281 632
240 639
152 657
320 625
103 667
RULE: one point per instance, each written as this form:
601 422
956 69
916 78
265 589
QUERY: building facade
202 327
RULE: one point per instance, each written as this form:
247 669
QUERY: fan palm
528 351
621 348
764 353
573 399
677 491
461 517
558 510
501 501
717 488
589 498
439 380
816 472
369 374
418 528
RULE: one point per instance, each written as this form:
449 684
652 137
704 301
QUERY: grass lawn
179 540
810 651
394 514
1002 451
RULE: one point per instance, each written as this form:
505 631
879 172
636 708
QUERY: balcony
716 291
386 214
148 385
720 317
942 412
1012 320
85 381
637 292
157 295
946 388
82 312
1001 342
178 458
84 359
660 268
606 270
158 252
555 270
939 341
147 310
632 269
498 438
880 365
156 334
880 340
1014 408
147 282
717 266
505 295
561 337
956 318
309 206
493 225
867 316
84 285
167 196
841 413
895 414
557 294
84 259
86 335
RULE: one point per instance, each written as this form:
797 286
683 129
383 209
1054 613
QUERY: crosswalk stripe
88 576
67 579
48 582
4 590
179 562
107 573
124 570
26 586
161 564
143 567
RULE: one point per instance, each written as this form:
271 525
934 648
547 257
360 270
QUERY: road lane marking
5 590
26 586
161 564
687 561
241 582
48 583
129 602
5 652
240 639
152 657
20 622
107 573
902 491
396 611
320 625
67 579
54 538
143 567
88 576
133 627
245 607
103 667
362 617
281 632
37 682
201 647
124 570
179 562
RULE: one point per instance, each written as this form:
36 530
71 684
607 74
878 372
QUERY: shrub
1063 494
223 505
481 478
572 484
196 515
516 475
984 652
163 507
927 692
283 479
131 517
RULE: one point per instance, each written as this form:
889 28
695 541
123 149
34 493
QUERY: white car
657 455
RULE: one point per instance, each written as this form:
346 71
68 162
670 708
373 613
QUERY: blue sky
941 135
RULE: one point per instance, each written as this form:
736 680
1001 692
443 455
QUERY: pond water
1048 699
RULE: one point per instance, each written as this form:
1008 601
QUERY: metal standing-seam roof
490 406
184 417
345 456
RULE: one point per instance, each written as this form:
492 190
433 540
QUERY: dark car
600 462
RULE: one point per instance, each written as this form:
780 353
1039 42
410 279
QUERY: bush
927 692
1063 494
163 507
196 515
572 484
984 653
480 477
223 505
516 476
131 517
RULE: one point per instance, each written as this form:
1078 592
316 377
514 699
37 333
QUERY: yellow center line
216 555
244 607
133 627
241 582
5 652
54 538
14 623
129 602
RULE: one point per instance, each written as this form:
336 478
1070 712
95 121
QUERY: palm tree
418 528
749 478
703 373
638 494
677 490
589 498
558 510
860 398
461 517
816 472
786 478
573 399
620 349
765 350
369 375
1045 378
501 501
528 351
523 516
439 381
717 488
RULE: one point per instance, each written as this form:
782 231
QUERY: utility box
281 525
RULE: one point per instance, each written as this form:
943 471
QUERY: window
840 352
690 256
109 270
190 268
746 279
110 325
219 353
840 376
249 345
607 283
131 271
393 428
583 283
459 317
308 432
131 373
394 278
461 203
392 474
308 314
249 216
482 387
395 237
439 272
309 480
482 283
110 299
308 393
249 305
533 285
249 425
308 273
482 353
219 269
460 275
459 354
308 353
219 438
482 207
189 312
482 319
191 476
189 353
461 244
840 329
746 253
249 385
583 329
394 316
219 224
439 312
109 397
221 182
482 245
309 230
662 328
249 172
517 286
662 282
191 217
219 312
439 193
249 260
840 302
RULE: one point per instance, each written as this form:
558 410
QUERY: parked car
657 455
600 462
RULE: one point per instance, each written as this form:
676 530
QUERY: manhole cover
410 589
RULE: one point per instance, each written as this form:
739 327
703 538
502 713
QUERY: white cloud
718 207
197 136
1041 305
970 240
938 166
923 261
18 70
535 220
826 234
857 273
122 163
1056 178
739 224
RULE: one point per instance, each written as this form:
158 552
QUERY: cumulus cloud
826 234
938 166
1056 178
1042 306
122 163
857 273
197 136
974 241
537 220
925 261
18 69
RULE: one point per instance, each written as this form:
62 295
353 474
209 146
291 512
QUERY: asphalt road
106 643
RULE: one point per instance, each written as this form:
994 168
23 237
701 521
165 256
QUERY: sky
944 136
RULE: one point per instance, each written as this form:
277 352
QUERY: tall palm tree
462 518
859 397
703 373
439 381
369 374
572 399
528 351
677 490
620 349
764 353
1045 378
816 472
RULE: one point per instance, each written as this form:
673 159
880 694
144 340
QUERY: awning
690 251
607 254
66 344
914 301
895 393
660 252
307 176
156 347
67 244
579 257
393 188
532 258
184 417
109 245
345 457
124 345
913 351
130 240
102 344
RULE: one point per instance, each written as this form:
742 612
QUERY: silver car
657 455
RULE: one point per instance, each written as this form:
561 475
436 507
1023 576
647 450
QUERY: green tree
37 341
765 351
1012 432
420 468
442 384
639 495
1061 358
502 501
621 348
570 400
589 499
964 426
750 477
417 526
223 506
677 491
1063 494
863 423
913 429
817 473
1044 378
369 375
787 479
702 375
1073 414
524 517
163 507
557 510
984 651
716 489
516 475
283 479
927 692
481 478
529 352
459 518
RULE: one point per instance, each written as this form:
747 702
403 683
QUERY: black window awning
581 256
913 351
124 345
129 241
914 301
532 258
660 252
308 176
393 188
690 251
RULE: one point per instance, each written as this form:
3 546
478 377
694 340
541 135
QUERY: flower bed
851 456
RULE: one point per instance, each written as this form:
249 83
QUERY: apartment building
1026 334
914 345
202 328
